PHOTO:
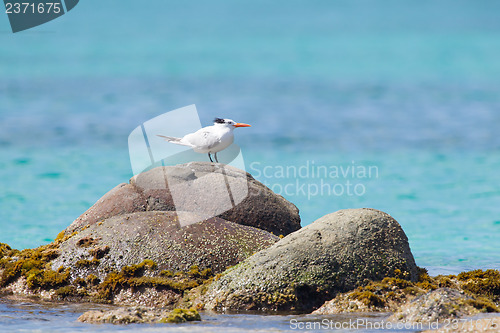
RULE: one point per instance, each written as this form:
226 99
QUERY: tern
210 139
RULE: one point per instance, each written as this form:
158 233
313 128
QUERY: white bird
210 139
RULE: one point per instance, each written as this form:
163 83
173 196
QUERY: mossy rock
181 316
334 254
481 282
133 277
391 293
34 265
134 315
436 305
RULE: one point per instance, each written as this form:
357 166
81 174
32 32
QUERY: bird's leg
216 158
210 157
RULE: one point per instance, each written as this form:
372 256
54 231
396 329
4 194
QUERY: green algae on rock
481 282
33 265
132 277
390 294
181 316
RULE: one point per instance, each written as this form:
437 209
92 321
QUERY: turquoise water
23 316
408 89
434 169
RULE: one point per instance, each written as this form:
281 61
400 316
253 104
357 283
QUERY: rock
376 296
345 302
204 188
437 305
128 239
391 293
334 254
139 315
181 316
119 316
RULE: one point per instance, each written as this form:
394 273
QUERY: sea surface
392 105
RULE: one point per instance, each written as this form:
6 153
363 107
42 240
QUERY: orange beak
241 125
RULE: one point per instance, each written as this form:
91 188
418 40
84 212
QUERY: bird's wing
202 139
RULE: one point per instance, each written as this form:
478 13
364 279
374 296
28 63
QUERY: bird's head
229 122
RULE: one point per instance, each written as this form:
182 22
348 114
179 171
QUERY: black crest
219 121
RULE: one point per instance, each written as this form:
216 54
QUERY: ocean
391 105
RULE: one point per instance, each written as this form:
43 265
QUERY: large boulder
129 239
334 254
206 189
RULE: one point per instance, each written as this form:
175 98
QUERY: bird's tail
170 138
174 140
